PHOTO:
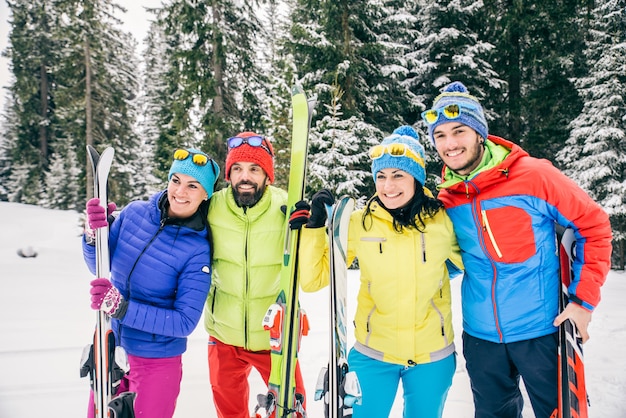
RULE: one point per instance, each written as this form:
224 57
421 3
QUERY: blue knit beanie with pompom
472 113
412 163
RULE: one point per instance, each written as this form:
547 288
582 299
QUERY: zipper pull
487 229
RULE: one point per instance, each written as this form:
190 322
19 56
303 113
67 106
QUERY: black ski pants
495 370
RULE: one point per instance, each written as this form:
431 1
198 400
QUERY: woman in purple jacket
160 253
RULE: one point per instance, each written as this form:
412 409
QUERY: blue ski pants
425 386
495 369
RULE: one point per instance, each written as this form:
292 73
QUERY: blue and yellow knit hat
198 165
471 112
400 150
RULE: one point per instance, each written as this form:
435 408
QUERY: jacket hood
491 174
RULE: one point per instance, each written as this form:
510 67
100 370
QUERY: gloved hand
318 208
95 213
299 216
106 298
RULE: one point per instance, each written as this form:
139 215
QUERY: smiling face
459 146
184 194
395 188
248 181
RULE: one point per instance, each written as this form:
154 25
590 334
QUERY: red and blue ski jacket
162 267
504 218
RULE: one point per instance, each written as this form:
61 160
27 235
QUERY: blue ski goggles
253 141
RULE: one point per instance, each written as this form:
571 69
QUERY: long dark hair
410 215
203 209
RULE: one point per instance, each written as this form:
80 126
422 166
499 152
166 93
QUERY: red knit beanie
250 154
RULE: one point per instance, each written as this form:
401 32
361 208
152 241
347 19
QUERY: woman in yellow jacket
405 245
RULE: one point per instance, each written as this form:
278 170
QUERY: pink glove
106 298
95 213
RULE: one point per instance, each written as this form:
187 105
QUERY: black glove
318 208
299 216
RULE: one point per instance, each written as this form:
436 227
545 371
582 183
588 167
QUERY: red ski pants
229 368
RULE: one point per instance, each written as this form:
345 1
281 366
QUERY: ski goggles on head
396 149
451 111
197 158
253 141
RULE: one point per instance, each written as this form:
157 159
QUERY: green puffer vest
246 267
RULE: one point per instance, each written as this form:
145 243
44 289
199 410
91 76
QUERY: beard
475 156
248 199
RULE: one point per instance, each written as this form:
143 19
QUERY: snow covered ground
45 320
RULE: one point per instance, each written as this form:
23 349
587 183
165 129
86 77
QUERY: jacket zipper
247 287
130 273
368 330
441 322
487 228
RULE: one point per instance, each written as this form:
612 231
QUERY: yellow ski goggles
199 159
451 111
396 149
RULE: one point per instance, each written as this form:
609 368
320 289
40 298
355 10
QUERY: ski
337 385
103 349
284 319
573 400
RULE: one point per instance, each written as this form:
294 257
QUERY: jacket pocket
508 234
377 241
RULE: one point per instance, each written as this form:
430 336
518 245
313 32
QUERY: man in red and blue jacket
504 206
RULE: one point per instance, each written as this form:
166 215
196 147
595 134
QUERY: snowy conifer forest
549 74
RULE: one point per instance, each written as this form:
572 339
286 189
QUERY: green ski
284 319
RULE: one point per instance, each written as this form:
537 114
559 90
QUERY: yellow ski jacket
403 313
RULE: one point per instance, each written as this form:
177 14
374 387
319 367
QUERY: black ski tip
94 156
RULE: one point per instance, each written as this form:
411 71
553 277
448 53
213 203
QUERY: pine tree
62 191
595 153
213 77
32 52
157 125
279 69
338 151
74 85
97 87
537 51
451 49
344 39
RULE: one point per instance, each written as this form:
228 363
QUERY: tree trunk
43 125
88 116
218 75
349 101
514 71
